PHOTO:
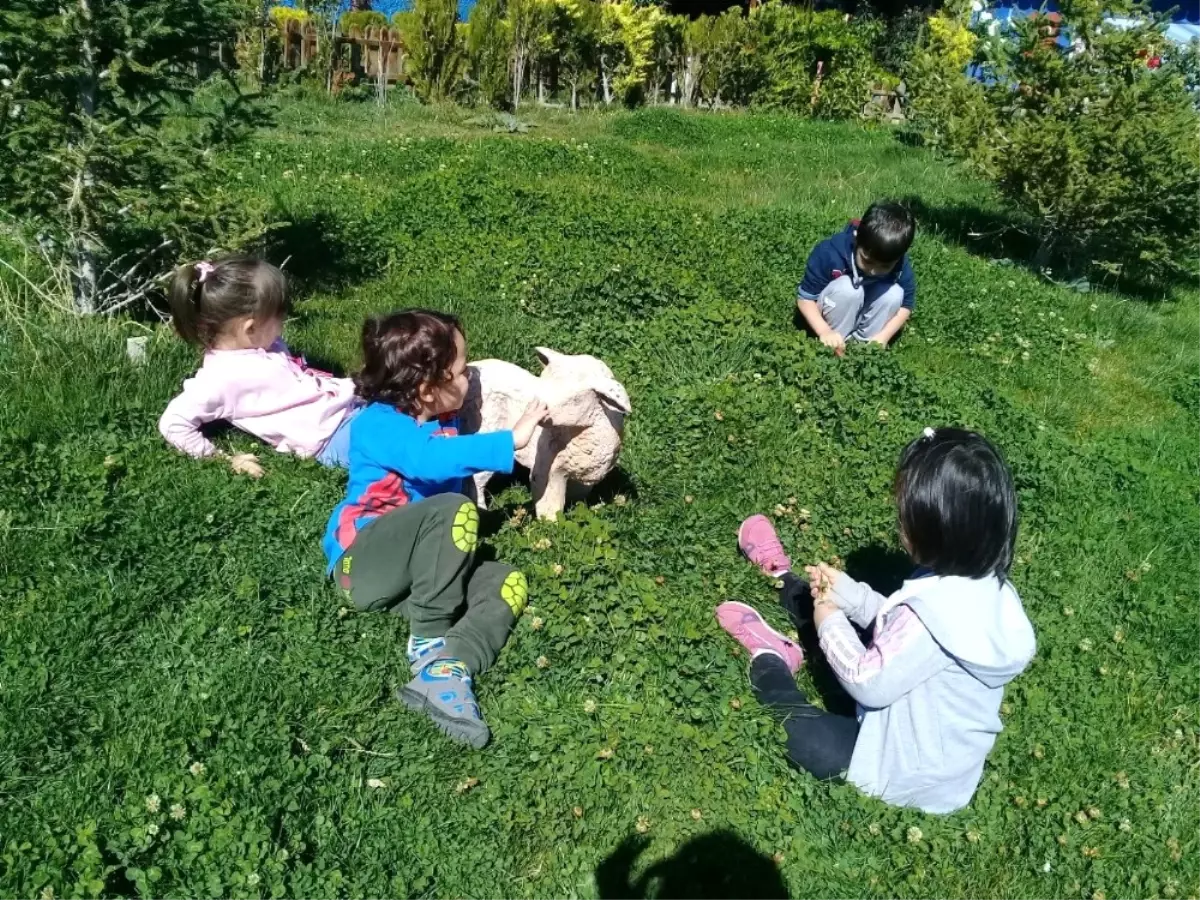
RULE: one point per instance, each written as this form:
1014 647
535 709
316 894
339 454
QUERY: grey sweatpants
841 306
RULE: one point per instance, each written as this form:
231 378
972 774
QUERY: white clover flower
196 768
152 803
178 812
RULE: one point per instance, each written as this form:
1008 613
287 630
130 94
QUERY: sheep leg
549 493
479 482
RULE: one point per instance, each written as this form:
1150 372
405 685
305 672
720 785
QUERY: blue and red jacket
394 461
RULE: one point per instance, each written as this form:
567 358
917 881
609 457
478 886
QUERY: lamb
578 448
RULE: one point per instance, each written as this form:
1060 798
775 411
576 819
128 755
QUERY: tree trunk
574 97
518 74
605 83
262 56
83 242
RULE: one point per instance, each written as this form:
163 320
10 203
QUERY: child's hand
834 342
246 464
536 413
822 578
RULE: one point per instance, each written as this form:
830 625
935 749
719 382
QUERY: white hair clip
203 270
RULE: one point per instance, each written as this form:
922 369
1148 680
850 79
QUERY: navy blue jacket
834 257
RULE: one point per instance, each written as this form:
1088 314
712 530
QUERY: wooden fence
373 54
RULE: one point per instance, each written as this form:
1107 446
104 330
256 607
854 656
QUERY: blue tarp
1184 27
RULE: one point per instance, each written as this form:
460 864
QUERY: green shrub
281 15
898 39
1184 63
579 57
436 48
362 19
791 40
106 140
950 111
1095 146
724 45
487 53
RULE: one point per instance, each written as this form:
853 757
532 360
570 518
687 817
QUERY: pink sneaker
760 544
751 631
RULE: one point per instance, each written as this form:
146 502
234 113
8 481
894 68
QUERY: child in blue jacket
404 538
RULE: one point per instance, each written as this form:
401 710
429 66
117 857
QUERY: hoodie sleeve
902 656
860 604
423 456
197 405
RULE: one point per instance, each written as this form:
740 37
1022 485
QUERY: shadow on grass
796 598
716 865
883 568
323 252
992 234
1007 238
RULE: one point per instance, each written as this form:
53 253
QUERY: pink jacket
269 393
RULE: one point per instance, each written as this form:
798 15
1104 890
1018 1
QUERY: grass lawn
185 709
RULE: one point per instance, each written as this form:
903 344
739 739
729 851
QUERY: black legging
819 742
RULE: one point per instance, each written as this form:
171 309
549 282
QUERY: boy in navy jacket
859 283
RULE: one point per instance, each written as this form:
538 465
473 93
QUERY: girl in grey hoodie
929 683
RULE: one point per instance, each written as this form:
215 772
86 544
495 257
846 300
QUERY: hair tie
928 432
203 270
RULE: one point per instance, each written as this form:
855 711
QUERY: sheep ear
546 355
614 395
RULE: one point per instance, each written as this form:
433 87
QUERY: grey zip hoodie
930 716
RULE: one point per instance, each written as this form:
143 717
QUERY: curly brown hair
402 352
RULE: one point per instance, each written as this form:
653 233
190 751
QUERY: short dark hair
402 352
206 296
886 231
957 504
